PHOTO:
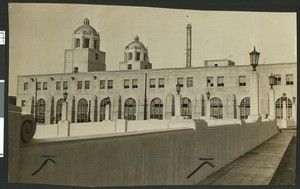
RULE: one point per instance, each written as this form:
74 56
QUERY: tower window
96 56
130 56
95 44
77 43
75 69
23 103
129 66
25 86
87 43
138 55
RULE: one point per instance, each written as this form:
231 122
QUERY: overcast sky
39 34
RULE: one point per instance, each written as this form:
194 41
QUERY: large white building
137 92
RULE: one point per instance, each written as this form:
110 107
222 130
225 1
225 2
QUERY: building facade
138 92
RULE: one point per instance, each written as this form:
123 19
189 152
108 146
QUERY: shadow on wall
157 157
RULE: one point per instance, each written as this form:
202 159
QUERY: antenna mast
188 43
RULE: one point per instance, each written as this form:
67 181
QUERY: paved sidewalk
257 166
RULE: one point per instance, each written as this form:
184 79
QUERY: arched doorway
186 107
130 109
245 108
82 111
40 111
279 108
156 109
216 108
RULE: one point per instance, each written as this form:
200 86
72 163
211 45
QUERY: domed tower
85 56
135 56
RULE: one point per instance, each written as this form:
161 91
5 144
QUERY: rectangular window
23 103
242 80
289 79
152 83
87 85
38 86
210 81
75 69
96 56
110 84
25 86
277 80
135 83
79 85
189 82
58 85
129 66
161 82
126 83
220 81
102 84
45 86
65 85
180 81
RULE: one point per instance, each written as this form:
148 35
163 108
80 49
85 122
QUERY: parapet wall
157 157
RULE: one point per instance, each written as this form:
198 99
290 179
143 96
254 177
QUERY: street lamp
254 57
271 80
208 95
294 99
65 95
178 87
107 100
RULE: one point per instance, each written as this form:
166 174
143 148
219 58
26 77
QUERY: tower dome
85 28
135 44
135 56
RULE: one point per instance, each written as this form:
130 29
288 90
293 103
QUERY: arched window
86 43
245 108
77 43
130 56
130 109
216 108
156 109
82 111
59 109
102 109
40 111
279 108
186 107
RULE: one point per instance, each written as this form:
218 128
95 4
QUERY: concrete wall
158 157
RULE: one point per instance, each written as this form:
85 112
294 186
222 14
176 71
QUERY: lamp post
254 101
63 127
64 107
283 120
294 114
208 105
107 102
272 97
178 102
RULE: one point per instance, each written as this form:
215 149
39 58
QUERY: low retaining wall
160 157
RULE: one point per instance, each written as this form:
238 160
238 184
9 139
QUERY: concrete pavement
257 166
